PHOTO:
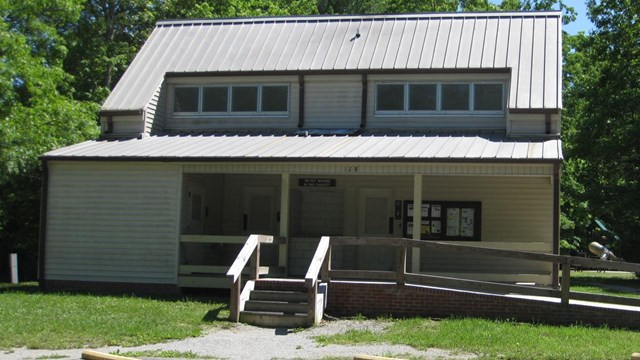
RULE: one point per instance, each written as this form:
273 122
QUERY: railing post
311 314
234 306
566 282
255 263
326 266
402 264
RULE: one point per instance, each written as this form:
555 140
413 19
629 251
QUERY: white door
260 211
375 219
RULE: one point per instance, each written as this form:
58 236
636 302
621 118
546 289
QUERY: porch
509 206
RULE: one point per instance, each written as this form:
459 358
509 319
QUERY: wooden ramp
399 292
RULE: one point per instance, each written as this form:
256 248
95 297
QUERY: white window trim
438 112
229 113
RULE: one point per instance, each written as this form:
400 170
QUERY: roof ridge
372 17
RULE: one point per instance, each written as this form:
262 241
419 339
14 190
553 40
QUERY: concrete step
277 306
284 296
270 319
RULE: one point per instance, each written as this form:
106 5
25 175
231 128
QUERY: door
375 219
195 209
260 211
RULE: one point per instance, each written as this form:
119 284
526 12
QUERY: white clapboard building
300 127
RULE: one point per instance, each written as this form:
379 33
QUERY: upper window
231 99
439 98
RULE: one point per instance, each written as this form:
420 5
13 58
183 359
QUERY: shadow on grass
205 296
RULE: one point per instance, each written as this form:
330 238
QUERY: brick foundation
110 288
351 298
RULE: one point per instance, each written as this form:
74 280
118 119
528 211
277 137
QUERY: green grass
32 319
500 339
607 283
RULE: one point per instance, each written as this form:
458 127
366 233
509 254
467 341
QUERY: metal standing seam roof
527 43
398 148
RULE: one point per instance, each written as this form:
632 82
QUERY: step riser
279 296
277 307
273 320
279 285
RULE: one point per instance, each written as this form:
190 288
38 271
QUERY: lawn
512 340
32 319
500 339
608 283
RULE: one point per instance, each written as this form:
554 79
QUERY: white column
285 189
417 220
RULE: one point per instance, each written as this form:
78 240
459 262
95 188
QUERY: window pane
275 98
422 96
244 98
487 97
185 99
390 97
455 97
214 99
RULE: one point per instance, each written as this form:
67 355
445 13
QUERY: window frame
229 113
438 111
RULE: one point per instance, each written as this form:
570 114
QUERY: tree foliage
61 58
37 112
605 94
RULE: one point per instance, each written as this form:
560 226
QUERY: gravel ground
244 342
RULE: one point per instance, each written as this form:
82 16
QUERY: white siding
529 124
115 222
124 125
517 214
332 101
156 111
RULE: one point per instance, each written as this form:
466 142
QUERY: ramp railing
322 260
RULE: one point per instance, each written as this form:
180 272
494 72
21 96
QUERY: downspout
44 194
301 101
547 122
363 110
556 222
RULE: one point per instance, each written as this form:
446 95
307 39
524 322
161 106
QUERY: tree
37 114
606 139
104 41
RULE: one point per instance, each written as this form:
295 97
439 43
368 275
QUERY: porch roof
399 147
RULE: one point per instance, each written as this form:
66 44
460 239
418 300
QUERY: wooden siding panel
332 102
516 213
112 222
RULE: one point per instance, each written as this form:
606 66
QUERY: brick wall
351 298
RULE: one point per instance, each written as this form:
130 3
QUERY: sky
582 22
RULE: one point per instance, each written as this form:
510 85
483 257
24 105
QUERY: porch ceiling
490 147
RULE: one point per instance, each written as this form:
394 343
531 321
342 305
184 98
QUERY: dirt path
243 342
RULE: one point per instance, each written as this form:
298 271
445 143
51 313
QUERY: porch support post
417 220
285 189
556 223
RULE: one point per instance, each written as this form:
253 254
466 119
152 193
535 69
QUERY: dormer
435 72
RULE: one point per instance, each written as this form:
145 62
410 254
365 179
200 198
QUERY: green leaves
37 113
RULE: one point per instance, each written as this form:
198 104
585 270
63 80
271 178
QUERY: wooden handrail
316 262
250 251
479 250
245 255
311 279
401 275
